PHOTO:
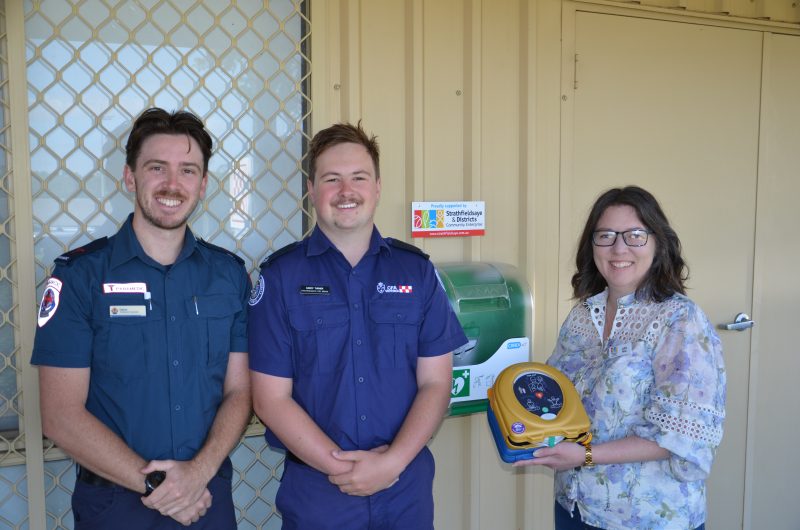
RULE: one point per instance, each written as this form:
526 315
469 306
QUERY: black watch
153 480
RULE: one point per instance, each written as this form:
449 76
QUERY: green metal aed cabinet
493 304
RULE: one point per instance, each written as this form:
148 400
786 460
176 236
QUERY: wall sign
448 219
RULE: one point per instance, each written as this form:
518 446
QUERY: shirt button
360 379
175 363
358 342
363 417
319 321
177 407
355 306
172 318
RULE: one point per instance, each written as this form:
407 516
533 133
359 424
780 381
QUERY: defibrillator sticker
257 291
127 311
50 298
461 384
126 288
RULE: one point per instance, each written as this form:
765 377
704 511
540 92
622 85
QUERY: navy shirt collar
127 246
318 243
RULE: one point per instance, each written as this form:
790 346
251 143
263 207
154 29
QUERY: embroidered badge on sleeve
52 292
257 291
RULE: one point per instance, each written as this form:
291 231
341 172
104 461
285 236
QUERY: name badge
315 289
136 287
127 311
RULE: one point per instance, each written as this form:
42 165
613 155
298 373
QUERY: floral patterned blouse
659 376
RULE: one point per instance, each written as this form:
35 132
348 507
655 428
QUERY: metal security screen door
92 66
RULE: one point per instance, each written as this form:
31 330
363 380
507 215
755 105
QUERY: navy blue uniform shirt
156 338
349 337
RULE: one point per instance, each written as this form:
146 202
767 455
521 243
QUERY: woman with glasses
648 366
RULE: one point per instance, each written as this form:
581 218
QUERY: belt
87 476
93 479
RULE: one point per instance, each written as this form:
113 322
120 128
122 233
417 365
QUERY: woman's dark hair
158 121
342 133
667 274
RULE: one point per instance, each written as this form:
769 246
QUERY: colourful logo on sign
428 218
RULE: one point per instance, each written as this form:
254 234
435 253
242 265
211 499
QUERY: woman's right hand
560 457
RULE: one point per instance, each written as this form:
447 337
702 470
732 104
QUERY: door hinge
575 73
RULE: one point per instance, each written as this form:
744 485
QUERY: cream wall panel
500 125
741 8
443 113
455 504
541 156
384 81
445 107
499 181
780 11
326 90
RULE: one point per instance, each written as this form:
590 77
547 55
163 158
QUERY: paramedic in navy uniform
141 347
350 355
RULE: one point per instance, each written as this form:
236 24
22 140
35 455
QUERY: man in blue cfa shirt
350 349
141 346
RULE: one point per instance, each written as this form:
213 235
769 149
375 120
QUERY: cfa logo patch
402 289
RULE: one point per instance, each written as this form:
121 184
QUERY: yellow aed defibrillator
533 405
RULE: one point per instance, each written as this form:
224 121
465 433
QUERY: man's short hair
158 121
342 133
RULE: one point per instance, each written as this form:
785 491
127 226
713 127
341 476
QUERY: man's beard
162 223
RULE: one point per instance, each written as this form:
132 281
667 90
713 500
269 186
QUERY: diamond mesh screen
93 66
9 323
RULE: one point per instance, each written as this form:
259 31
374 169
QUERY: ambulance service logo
50 298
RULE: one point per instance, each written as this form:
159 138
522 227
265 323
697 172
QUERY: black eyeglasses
633 238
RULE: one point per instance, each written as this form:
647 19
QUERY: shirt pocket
126 347
320 333
213 315
395 331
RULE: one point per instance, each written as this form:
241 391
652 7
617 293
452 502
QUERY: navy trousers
118 508
307 500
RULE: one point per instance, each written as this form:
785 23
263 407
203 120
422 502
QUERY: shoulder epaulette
224 250
280 252
68 257
406 246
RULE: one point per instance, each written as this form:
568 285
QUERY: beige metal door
674 107
771 494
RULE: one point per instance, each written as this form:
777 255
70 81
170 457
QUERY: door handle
741 323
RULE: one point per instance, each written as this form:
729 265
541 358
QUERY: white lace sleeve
687 401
